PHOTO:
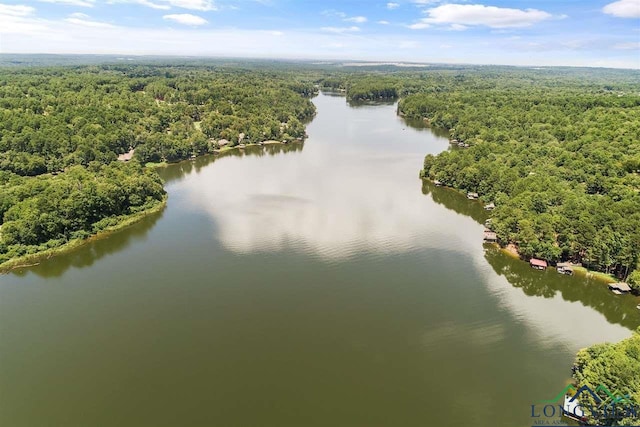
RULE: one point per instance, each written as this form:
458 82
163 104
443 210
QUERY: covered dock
538 264
620 288
490 236
564 268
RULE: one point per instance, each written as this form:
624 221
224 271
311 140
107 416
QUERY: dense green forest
557 150
559 156
62 129
617 367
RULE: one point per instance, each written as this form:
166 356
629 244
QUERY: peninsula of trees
616 367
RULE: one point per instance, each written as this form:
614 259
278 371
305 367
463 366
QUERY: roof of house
538 262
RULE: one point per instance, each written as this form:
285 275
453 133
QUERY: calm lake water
319 284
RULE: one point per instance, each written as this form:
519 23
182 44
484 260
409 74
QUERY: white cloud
18 19
340 30
86 21
16 10
202 5
458 27
186 19
357 19
419 25
480 15
627 46
392 5
146 3
79 3
193 4
383 22
152 5
332 13
623 9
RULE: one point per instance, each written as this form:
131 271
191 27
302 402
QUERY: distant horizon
589 33
346 62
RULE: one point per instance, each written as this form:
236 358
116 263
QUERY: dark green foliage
54 118
617 367
47 211
372 88
634 280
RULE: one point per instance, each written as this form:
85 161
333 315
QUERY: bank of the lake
511 249
302 284
121 223
226 149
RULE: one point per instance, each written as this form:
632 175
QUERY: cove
310 284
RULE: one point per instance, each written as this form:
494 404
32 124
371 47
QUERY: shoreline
511 249
32 260
222 150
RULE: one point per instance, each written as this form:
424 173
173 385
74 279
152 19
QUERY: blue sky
600 33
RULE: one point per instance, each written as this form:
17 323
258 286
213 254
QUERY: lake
313 284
